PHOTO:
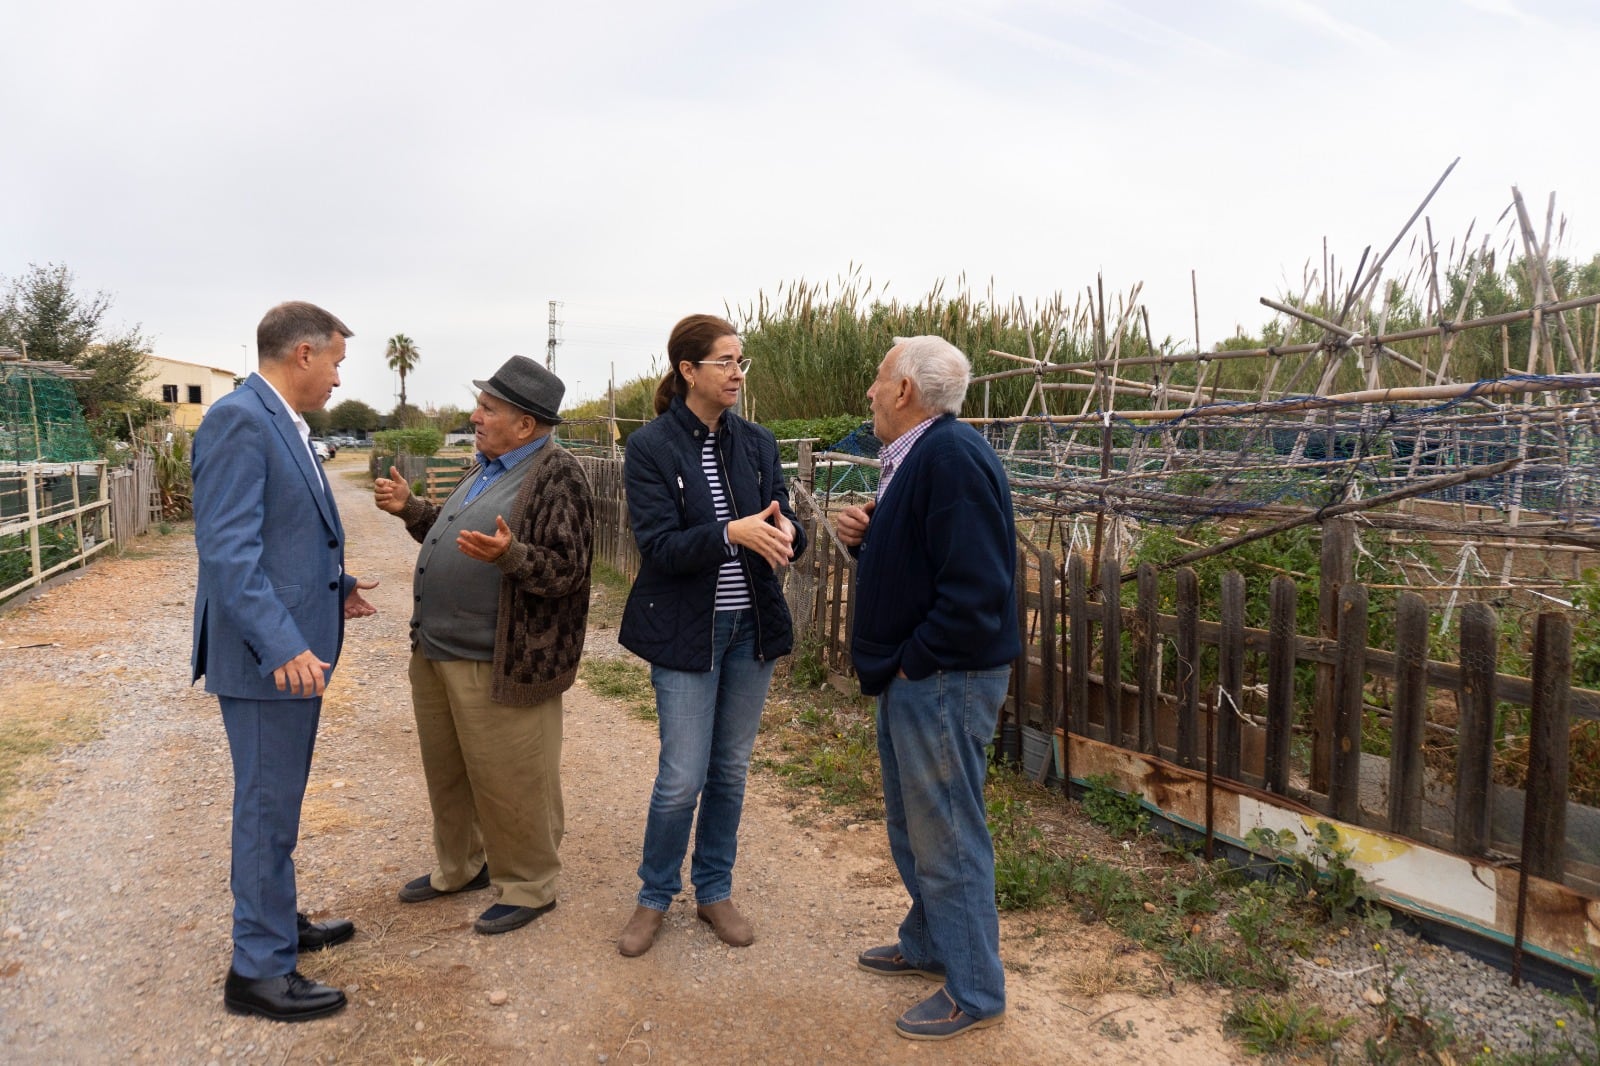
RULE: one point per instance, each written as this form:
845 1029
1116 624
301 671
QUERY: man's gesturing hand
391 493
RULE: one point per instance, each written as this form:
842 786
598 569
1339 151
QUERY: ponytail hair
690 342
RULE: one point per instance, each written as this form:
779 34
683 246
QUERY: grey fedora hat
526 385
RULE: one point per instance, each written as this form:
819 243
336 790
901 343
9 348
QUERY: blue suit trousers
271 742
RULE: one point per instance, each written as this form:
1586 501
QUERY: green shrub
57 541
827 431
423 441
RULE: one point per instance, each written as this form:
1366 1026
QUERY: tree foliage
402 355
635 406
112 400
405 416
42 316
354 416
449 418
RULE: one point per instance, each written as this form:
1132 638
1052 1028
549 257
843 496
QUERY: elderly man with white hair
935 634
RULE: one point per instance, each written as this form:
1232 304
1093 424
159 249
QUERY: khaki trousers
494 781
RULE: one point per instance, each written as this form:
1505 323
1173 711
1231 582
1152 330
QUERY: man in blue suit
269 619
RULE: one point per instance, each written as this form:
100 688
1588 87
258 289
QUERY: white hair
938 369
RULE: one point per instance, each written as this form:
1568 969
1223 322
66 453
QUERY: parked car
322 450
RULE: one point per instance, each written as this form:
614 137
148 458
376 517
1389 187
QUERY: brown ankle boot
731 927
640 933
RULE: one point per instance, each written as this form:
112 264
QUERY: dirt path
114 903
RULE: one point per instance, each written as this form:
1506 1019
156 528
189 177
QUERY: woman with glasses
712 521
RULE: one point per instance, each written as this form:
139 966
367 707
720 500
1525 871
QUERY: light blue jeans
931 738
708 721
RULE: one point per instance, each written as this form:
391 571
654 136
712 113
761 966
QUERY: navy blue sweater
935 580
671 608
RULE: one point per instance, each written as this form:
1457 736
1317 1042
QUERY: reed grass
815 347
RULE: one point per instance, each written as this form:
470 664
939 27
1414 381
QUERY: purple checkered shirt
895 452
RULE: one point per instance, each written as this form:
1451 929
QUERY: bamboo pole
1349 336
1504 387
1475 473
1503 318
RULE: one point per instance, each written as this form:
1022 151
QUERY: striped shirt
733 592
894 453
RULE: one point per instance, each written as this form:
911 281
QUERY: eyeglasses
725 364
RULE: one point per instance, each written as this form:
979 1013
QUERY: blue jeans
708 723
931 738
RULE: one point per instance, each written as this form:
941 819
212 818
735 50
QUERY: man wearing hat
500 602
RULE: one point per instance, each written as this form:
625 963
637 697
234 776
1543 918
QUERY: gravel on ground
114 904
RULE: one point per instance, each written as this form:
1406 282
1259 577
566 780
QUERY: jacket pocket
289 595
652 621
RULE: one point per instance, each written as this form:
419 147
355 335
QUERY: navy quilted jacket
671 609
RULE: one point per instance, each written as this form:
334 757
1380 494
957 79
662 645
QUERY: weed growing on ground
844 767
1323 871
1413 1030
1261 918
623 680
806 668
1112 1031
1121 813
1282 1026
830 745
1026 873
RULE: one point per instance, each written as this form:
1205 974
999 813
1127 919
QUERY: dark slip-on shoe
420 889
503 917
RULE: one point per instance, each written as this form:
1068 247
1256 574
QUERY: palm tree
402 355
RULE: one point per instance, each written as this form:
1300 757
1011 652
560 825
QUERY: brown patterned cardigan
544 577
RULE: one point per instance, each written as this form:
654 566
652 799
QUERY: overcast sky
445 170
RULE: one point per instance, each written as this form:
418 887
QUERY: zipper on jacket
744 565
683 507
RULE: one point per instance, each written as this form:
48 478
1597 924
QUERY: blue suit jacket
272 580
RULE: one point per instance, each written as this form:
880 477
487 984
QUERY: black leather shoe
289 998
421 888
315 936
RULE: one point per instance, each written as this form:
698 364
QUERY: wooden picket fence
53 517
135 501
1216 725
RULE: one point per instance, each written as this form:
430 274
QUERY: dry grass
39 720
322 813
1103 969
387 972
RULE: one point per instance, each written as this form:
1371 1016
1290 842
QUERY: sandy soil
114 902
